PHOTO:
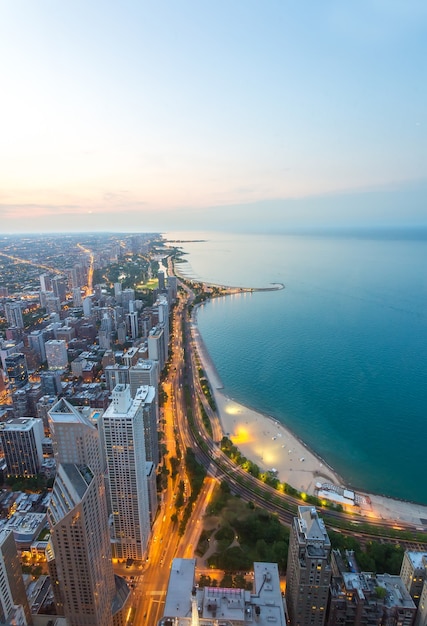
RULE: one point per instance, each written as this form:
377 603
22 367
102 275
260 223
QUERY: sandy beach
272 446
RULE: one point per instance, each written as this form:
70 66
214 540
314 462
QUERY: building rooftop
65 412
181 583
25 526
20 423
365 584
311 525
145 393
79 477
418 559
220 605
143 365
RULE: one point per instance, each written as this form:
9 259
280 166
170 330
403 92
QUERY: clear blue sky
167 115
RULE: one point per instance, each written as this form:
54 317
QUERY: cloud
388 206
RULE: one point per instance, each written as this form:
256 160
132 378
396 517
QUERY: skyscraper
56 354
80 553
36 343
45 282
144 372
157 348
22 445
13 312
309 571
16 369
122 431
414 572
132 322
13 599
59 286
161 279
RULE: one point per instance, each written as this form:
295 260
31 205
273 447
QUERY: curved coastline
272 445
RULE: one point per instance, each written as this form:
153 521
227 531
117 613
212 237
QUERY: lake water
339 356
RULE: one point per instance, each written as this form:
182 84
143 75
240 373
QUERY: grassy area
236 533
151 284
241 534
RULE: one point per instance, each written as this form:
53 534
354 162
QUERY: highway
166 543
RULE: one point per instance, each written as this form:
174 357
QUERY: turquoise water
339 355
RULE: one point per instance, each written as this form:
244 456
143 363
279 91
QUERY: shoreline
273 446
374 506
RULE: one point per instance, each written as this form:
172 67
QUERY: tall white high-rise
122 432
79 549
143 377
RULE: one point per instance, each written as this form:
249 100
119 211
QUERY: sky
226 114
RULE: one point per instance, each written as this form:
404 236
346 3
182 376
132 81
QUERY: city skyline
193 116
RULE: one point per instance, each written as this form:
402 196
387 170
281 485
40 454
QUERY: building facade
309 571
367 599
16 370
21 440
122 432
79 549
56 354
414 572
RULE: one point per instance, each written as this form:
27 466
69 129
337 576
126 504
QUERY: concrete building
188 605
87 306
59 287
121 333
172 287
51 383
20 403
309 571
366 599
161 279
26 527
21 440
66 333
132 324
421 617
153 503
56 354
7 348
52 303
131 356
79 551
157 348
13 313
144 372
414 572
126 296
77 297
14 607
36 342
45 282
16 370
116 375
122 432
